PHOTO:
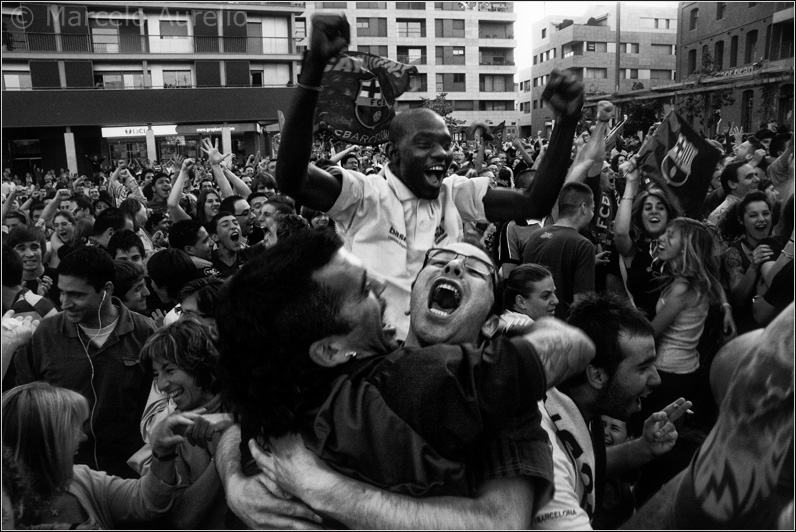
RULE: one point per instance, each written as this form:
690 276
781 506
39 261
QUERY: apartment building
464 49
142 79
587 46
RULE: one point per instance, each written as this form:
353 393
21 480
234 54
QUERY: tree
697 106
444 108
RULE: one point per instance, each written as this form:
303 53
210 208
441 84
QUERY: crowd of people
422 334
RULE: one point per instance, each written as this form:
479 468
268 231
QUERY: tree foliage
696 107
444 108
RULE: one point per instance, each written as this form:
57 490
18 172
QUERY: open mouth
176 394
761 227
235 236
435 174
445 298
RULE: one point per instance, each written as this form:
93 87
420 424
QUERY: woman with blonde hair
43 428
689 285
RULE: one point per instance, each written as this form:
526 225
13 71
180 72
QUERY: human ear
392 153
490 326
596 377
330 351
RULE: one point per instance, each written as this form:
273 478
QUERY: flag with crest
681 162
357 102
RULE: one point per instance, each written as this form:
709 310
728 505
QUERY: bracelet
164 457
310 87
631 198
727 305
789 255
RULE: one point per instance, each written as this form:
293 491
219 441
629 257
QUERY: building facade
142 80
587 47
749 48
463 49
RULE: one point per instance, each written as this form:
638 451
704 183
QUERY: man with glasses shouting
306 351
390 221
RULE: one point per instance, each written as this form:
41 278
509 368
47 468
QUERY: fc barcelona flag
357 102
679 161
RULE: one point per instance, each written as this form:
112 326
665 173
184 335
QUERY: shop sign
137 131
204 129
740 71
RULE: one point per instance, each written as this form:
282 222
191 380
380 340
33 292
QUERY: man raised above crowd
392 220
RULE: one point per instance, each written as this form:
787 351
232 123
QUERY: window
16 80
734 51
662 49
747 106
490 105
173 28
705 53
331 5
663 23
458 50
371 27
380 50
751 47
721 8
410 5
661 74
120 80
694 18
463 105
544 33
598 73
411 28
412 56
105 36
371 5
691 62
449 28
782 41
718 55
451 83
176 78
534 60
535 104
495 83
629 73
418 83
629 47
300 28
596 47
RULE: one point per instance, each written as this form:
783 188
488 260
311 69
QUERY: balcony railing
412 59
493 35
134 44
496 61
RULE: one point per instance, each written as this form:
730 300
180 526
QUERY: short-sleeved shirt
569 255
390 229
513 237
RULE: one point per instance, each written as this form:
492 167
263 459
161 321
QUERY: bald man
392 220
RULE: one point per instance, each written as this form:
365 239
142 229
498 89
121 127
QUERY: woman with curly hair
746 226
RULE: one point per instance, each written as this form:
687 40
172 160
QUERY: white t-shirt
390 229
563 512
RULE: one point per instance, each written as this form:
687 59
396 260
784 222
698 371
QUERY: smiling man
93 347
391 220
613 384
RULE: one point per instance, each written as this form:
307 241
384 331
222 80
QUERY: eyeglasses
441 257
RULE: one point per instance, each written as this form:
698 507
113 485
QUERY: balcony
412 59
14 42
496 61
